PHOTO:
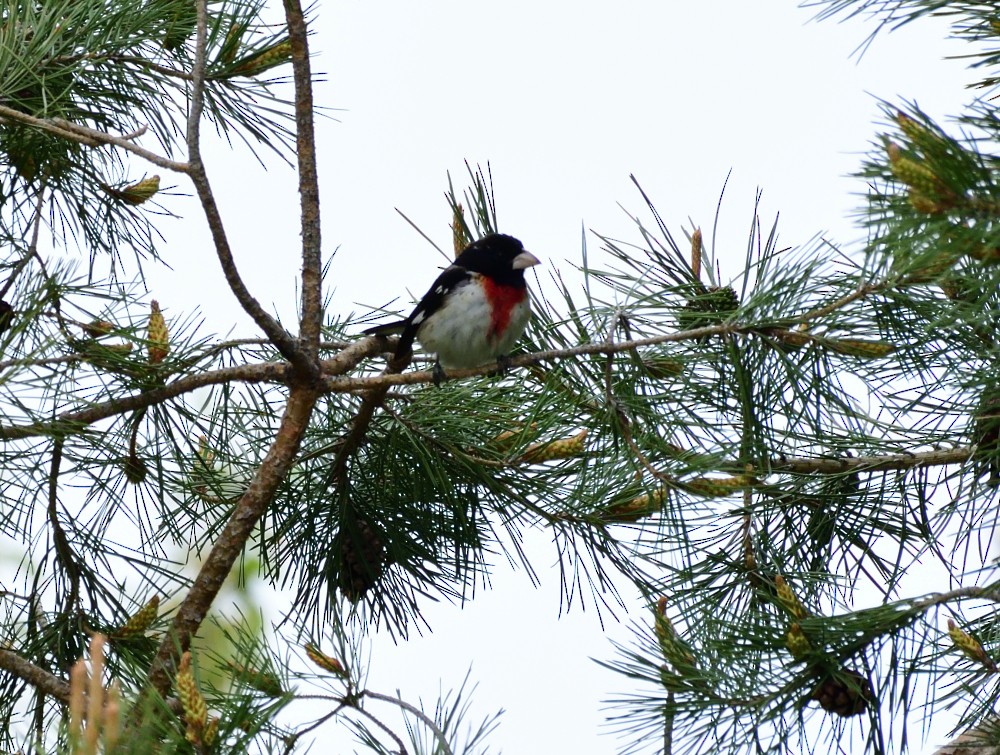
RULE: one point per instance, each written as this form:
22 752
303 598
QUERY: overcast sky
565 100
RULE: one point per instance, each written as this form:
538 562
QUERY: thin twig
429 722
60 543
990 593
395 737
36 225
141 62
860 293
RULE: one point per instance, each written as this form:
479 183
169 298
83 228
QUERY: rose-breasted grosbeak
476 309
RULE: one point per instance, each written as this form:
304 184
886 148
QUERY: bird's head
499 256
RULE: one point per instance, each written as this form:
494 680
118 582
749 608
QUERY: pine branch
90 137
274 372
362 420
979 740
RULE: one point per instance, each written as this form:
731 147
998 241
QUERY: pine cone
846 693
362 561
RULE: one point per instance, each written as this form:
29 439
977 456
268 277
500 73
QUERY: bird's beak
525 260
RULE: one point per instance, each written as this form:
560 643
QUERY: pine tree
772 456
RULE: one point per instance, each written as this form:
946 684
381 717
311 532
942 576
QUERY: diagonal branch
34 675
230 543
305 141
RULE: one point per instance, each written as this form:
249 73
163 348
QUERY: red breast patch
502 301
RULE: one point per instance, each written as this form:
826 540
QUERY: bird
474 312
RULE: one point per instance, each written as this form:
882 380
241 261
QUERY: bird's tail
400 328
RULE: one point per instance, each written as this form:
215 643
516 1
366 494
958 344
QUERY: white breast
459 332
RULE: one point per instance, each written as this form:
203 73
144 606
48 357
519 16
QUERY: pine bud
914 173
269 57
158 338
662 368
111 728
231 44
789 600
205 454
792 340
970 646
564 448
192 703
142 619
459 236
259 680
857 347
923 203
696 254
636 508
718 487
98 328
675 650
324 661
919 134
211 731
796 642
508 438
142 191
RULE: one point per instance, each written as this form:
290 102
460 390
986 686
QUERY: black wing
450 279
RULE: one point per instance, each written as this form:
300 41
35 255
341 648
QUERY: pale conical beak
525 260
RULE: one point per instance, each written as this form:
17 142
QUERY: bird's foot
503 365
439 374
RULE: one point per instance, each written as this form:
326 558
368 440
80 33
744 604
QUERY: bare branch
305 143
230 543
37 677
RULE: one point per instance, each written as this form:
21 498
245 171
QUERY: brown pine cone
846 693
362 560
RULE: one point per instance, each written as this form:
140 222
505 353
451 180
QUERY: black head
499 256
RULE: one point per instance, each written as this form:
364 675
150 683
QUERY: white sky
565 99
